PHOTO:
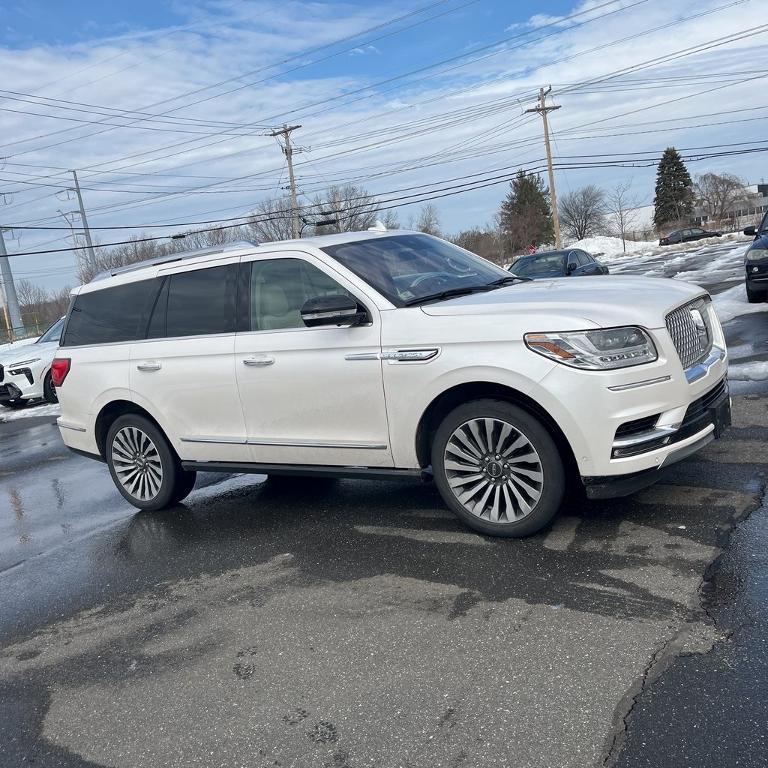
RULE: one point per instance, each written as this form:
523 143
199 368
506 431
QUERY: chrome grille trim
692 346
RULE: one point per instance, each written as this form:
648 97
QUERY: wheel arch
446 401
112 411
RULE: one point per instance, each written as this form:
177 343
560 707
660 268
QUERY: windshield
405 268
551 264
53 333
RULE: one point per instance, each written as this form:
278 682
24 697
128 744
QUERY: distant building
744 212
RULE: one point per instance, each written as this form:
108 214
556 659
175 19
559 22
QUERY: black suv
756 263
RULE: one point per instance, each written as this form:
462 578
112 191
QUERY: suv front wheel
143 465
498 469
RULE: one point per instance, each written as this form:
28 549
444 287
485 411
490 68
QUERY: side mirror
751 231
571 268
336 309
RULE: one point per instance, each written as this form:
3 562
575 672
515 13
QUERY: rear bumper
709 426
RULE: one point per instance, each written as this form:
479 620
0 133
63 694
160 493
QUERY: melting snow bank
8 414
733 302
757 371
612 246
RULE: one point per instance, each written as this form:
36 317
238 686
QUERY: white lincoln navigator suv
388 354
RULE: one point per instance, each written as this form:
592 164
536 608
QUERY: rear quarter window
110 315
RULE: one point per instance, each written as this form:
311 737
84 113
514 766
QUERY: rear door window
200 303
110 315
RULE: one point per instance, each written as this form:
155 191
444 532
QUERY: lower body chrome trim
638 384
283 443
73 427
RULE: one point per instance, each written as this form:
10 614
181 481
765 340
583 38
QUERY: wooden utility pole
542 109
84 220
288 151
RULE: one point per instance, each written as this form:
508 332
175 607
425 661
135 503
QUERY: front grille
692 340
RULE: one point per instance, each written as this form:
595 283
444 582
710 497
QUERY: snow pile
7 414
733 302
612 246
756 371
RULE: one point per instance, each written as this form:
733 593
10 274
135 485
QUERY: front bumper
26 384
757 275
705 425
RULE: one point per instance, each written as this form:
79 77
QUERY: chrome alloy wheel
137 463
493 470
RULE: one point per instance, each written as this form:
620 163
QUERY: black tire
14 404
49 391
755 297
146 461
503 469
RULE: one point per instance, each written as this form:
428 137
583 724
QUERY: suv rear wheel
497 468
143 465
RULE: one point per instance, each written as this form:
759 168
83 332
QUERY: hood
604 301
761 241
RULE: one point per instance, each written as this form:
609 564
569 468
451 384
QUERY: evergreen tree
674 191
526 216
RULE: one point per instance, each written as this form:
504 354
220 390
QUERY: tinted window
546 265
405 268
201 302
583 258
111 314
279 288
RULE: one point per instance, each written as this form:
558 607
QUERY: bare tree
485 242
717 194
31 296
351 208
581 212
622 215
272 220
427 220
390 219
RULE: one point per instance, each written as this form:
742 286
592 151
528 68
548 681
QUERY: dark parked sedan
569 263
756 263
687 235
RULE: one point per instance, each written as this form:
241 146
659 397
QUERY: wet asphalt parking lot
275 623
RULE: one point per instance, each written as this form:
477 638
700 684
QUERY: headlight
757 254
24 362
597 350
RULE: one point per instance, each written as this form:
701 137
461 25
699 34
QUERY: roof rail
169 258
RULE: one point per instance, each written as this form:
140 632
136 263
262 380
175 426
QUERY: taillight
59 370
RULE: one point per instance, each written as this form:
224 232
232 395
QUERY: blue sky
342 71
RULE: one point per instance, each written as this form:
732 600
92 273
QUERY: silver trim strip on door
204 439
316 444
283 443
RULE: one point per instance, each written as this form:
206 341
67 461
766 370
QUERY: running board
308 470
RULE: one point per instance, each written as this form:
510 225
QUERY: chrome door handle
260 361
150 365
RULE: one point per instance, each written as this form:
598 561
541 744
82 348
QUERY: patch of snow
757 371
733 302
44 409
612 246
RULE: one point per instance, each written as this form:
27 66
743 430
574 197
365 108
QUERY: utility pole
84 220
288 151
542 109
11 300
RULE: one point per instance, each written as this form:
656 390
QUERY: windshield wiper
509 280
449 294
